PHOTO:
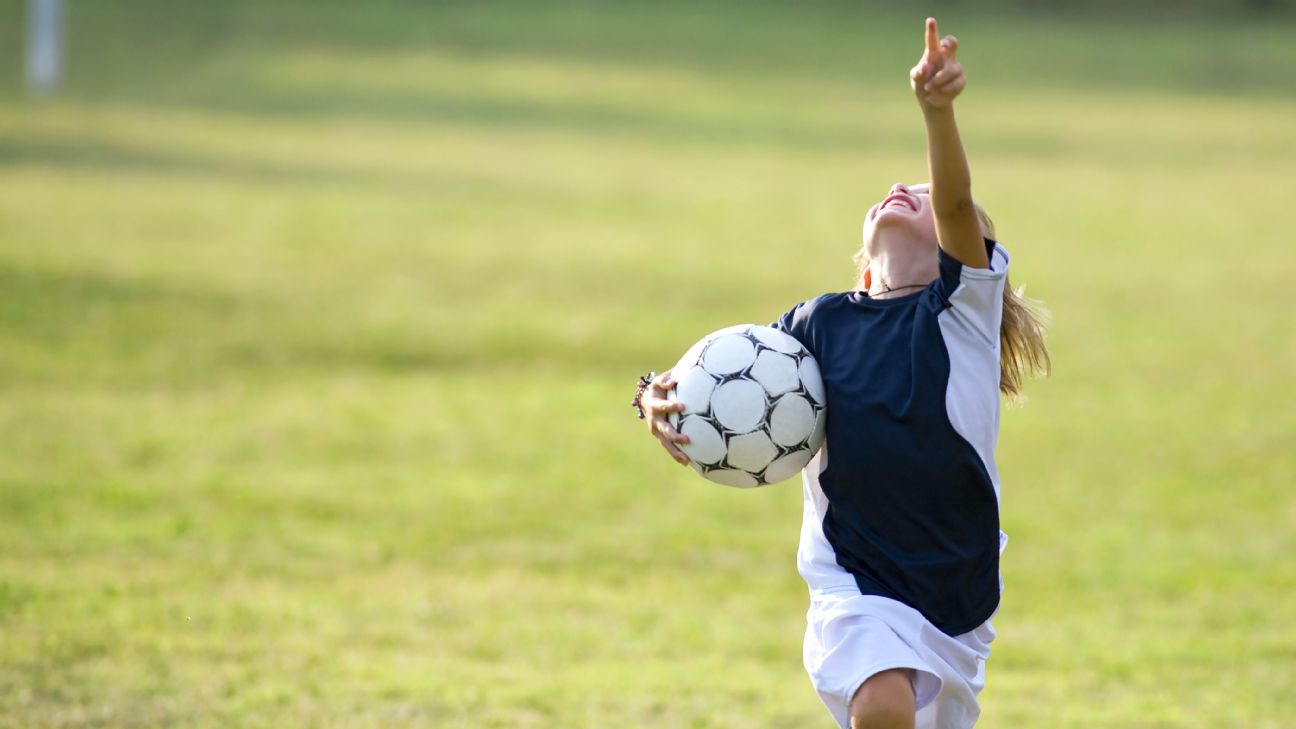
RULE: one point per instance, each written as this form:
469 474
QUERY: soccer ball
754 405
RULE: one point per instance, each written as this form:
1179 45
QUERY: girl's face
906 214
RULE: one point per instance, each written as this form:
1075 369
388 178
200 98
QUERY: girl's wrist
937 113
645 381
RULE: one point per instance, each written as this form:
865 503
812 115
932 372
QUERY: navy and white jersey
903 500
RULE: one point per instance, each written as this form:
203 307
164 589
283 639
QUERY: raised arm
936 80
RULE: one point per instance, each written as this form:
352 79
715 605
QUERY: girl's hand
656 408
937 78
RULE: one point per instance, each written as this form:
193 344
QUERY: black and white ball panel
792 420
776 372
776 340
694 389
812 379
729 354
753 405
706 444
739 405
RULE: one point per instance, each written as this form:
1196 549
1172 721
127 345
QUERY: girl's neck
899 274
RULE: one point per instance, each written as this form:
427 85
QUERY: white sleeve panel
977 302
970 328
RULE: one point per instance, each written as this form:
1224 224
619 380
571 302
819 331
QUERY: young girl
900 541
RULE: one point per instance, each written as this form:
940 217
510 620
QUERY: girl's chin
895 234
895 220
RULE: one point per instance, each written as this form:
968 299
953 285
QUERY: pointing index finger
933 45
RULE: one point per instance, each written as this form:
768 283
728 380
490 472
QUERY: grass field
318 322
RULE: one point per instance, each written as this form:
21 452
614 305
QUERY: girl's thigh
885 701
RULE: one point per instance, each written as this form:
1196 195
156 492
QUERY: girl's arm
936 80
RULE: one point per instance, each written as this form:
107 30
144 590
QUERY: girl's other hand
656 409
937 78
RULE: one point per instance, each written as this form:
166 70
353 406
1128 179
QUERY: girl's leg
884 701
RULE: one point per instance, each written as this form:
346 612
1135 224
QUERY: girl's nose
900 187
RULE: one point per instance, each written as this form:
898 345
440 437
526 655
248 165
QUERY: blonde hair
1022 352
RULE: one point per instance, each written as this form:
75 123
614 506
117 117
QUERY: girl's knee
885 701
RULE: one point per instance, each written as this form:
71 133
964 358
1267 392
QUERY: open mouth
899 199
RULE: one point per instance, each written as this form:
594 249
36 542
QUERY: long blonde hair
1022 352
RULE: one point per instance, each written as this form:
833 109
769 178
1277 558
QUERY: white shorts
852 637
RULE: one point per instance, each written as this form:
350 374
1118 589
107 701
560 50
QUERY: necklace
886 288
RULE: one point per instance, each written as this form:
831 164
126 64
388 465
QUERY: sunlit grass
316 340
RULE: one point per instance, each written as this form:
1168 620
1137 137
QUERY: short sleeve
796 321
974 296
788 321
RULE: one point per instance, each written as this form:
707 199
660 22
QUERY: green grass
318 323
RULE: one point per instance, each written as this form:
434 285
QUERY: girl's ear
868 277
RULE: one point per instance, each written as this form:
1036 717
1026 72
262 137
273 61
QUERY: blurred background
319 322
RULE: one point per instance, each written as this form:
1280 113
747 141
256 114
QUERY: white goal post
44 46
